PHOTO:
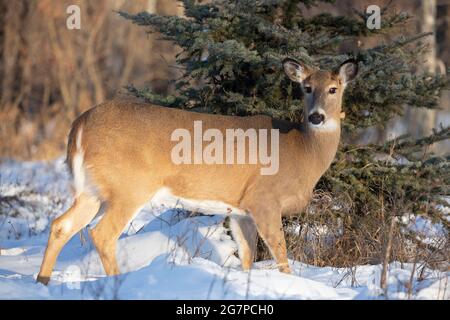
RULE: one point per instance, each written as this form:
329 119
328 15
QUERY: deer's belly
164 197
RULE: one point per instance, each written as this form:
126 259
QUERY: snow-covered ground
165 254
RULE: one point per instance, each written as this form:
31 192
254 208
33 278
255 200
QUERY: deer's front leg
244 233
271 231
267 218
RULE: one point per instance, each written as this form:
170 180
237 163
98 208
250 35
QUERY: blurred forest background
50 74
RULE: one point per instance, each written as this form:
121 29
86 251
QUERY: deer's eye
332 90
308 89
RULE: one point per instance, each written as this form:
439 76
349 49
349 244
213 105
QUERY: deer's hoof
284 268
43 280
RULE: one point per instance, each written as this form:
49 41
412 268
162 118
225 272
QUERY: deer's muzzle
316 118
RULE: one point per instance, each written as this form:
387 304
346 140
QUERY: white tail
121 156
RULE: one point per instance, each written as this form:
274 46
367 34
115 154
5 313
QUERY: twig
387 254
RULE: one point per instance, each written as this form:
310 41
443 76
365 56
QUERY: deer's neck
319 148
323 146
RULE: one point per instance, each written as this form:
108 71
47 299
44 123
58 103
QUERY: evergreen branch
152 97
406 145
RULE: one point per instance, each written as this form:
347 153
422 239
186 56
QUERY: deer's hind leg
119 212
63 228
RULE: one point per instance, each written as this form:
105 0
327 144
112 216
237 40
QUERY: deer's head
323 91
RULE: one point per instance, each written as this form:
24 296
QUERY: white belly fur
164 197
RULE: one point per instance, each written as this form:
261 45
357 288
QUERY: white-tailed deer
119 154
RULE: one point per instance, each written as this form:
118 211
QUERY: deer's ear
295 70
348 70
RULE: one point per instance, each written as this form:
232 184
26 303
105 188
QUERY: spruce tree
231 59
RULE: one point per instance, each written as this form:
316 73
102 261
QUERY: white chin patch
328 125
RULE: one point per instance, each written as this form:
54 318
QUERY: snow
167 254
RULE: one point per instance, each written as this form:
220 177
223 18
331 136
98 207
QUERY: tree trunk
422 121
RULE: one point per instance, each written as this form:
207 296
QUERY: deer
118 153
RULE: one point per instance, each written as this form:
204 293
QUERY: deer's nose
316 118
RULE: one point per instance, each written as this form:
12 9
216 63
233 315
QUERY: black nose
316 118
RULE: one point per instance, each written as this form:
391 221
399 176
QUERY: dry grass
51 74
323 236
